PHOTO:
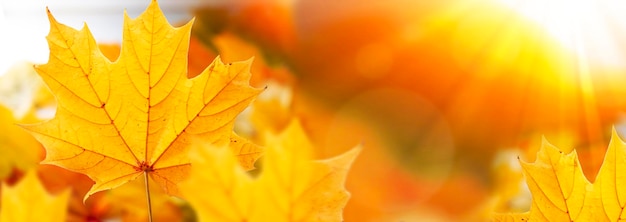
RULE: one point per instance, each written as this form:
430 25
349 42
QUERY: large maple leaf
29 201
291 187
117 120
561 192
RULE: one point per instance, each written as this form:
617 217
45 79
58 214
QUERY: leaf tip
153 4
615 135
544 140
250 60
27 127
46 161
545 144
354 152
345 160
50 16
87 197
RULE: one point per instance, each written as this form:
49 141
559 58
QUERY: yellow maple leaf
117 120
29 201
561 192
291 187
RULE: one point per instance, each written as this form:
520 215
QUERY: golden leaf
562 193
291 187
117 120
29 201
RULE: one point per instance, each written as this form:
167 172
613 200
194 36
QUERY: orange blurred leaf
117 120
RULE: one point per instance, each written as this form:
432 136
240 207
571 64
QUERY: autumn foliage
311 111
140 114
561 192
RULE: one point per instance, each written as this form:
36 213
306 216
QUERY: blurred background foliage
444 96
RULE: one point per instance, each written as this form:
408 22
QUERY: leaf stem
145 177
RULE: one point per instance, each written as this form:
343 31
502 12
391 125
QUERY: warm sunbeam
520 69
583 26
590 30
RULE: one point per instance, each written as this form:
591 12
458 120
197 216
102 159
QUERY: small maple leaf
291 187
117 120
29 201
561 192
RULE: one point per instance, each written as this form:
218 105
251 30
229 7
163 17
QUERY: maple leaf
561 192
291 187
117 120
29 201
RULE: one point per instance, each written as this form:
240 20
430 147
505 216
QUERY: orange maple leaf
117 120
291 187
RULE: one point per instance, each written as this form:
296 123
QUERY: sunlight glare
560 18
579 23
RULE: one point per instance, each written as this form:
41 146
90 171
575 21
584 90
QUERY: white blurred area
24 24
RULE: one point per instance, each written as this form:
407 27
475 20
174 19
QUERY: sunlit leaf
117 120
562 193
